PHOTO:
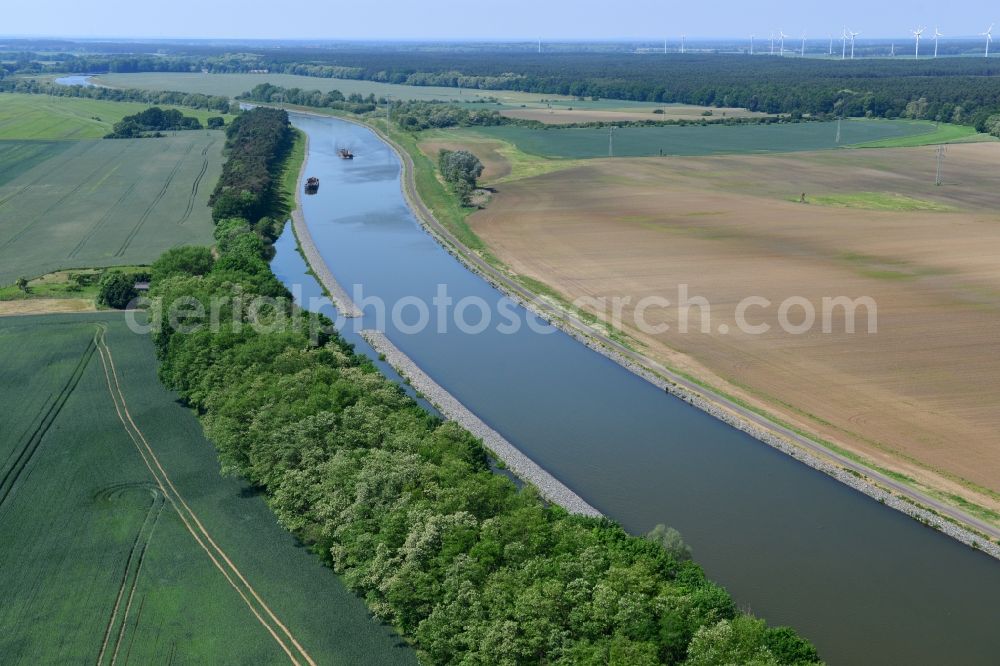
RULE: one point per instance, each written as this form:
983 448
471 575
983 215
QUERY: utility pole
388 107
940 159
611 142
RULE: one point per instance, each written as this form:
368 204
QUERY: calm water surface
865 583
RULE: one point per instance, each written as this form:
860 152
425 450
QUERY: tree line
465 565
166 98
333 99
256 144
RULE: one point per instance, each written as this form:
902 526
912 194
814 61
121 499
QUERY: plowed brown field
920 396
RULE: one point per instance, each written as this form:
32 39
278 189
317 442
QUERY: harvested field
920 396
31 306
102 202
120 537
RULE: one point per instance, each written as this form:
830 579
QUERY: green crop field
705 139
47 117
17 157
74 204
121 541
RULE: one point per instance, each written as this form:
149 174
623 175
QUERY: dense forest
961 90
465 565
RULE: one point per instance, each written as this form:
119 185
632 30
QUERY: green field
878 201
121 541
73 204
706 139
47 117
942 133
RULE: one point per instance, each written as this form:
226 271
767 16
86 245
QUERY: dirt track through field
260 610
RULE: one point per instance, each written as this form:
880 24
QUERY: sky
498 19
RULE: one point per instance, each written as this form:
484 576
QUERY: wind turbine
989 38
682 43
751 44
843 45
803 52
781 33
937 33
831 46
853 35
916 34
772 43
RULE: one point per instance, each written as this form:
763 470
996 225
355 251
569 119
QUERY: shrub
188 260
117 289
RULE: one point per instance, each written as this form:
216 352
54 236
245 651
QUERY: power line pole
940 159
388 107
611 142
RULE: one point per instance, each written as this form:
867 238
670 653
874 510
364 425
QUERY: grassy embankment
74 290
447 209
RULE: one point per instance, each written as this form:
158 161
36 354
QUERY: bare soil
32 306
920 396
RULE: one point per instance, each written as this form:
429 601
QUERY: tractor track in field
101 222
14 195
41 216
42 176
27 452
130 575
149 209
257 606
194 192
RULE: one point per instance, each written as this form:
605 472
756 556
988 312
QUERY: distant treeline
961 90
333 99
466 566
256 143
419 115
154 120
412 115
171 98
